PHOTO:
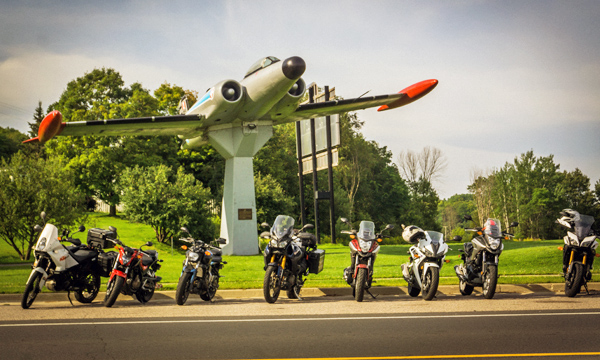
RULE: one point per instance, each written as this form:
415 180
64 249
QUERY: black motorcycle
579 250
480 258
200 273
62 268
290 255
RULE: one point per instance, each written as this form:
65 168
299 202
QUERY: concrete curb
549 288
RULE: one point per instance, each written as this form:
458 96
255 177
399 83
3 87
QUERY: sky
513 76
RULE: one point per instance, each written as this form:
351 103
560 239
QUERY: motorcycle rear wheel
361 282
209 293
464 288
113 288
430 283
490 279
92 287
271 285
183 288
573 280
413 291
31 290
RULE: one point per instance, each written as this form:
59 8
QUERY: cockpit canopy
261 64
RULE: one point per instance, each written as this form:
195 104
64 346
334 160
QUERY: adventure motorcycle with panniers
290 255
480 258
579 250
133 272
364 248
427 254
200 273
62 268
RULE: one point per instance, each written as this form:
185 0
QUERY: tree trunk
112 210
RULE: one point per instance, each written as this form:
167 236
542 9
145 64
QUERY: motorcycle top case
97 238
316 260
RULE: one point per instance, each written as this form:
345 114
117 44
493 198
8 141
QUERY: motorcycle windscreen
435 236
583 225
366 230
492 228
283 226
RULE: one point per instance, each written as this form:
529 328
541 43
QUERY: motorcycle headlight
192 256
41 244
364 245
428 252
124 259
494 243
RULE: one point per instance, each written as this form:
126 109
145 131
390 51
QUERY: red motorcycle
133 273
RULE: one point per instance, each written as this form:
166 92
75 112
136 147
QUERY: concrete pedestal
238 144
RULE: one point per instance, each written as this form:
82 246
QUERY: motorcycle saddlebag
106 262
316 259
97 238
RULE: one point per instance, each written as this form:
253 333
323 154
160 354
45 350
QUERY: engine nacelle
221 103
289 103
194 143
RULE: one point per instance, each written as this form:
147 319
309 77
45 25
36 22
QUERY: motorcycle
363 251
60 268
290 255
133 273
579 250
480 258
422 272
200 273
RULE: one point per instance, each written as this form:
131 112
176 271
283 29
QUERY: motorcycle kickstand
69 297
373 296
586 288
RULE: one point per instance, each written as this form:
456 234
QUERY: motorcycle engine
136 282
57 283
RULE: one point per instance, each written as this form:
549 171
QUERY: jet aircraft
237 119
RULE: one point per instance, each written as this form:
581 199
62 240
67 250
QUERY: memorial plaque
244 214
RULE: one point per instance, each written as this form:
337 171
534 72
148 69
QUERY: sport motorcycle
200 273
579 250
62 268
133 273
480 258
289 257
364 247
427 254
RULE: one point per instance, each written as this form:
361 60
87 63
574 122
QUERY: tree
271 199
423 205
29 186
429 164
10 142
166 201
35 148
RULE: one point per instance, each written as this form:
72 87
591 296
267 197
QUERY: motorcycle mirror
265 235
43 215
468 217
514 224
37 228
308 226
265 225
345 221
389 227
81 228
149 243
457 238
222 241
184 229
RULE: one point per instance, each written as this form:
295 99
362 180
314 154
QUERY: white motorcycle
59 268
422 272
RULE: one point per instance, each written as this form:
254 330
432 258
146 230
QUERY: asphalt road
391 327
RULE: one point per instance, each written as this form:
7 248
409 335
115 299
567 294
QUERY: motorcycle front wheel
573 280
143 295
361 282
91 287
430 283
271 285
490 280
113 288
183 288
31 290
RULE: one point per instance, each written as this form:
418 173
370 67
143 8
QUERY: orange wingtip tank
413 93
51 126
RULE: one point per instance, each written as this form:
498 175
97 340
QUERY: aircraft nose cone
293 67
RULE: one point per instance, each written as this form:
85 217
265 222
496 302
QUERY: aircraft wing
52 125
385 102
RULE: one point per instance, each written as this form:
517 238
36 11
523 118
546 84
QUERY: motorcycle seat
83 255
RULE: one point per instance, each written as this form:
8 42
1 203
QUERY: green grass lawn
521 262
